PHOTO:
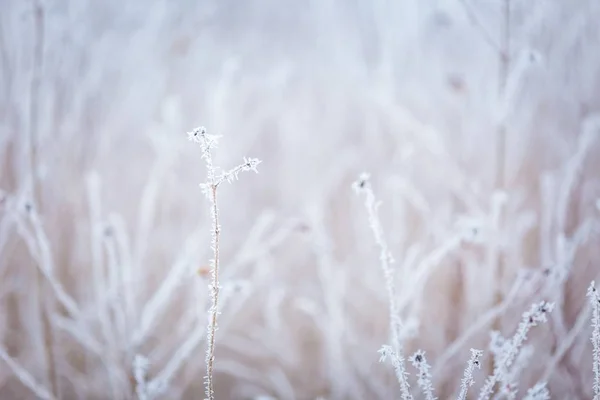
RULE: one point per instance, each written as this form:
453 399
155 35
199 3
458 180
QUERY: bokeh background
479 122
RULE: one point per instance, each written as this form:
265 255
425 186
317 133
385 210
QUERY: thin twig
207 144
393 352
214 287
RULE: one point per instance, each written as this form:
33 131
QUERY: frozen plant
140 372
510 380
363 187
511 349
595 302
207 144
467 380
538 392
387 352
424 378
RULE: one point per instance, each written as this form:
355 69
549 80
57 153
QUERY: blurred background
479 122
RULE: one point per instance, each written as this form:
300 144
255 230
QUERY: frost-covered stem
467 380
424 380
537 313
362 186
398 363
214 294
538 392
207 144
249 164
595 303
140 370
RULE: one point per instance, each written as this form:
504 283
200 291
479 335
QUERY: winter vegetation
460 266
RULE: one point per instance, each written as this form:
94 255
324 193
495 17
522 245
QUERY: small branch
467 380
538 313
424 380
249 164
214 294
595 303
394 352
207 144
538 392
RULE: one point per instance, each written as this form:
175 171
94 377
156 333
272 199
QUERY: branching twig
208 143
467 380
538 313
394 352
424 378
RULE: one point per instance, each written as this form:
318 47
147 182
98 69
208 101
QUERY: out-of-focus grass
112 217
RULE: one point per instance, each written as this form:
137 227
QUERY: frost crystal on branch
538 392
207 142
467 380
510 348
424 381
387 352
140 371
249 164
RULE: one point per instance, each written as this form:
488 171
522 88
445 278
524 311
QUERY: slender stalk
207 144
394 352
595 305
214 294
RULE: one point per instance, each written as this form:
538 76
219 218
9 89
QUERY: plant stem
214 294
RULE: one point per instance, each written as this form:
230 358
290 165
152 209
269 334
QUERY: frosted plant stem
538 313
594 298
394 352
424 377
209 188
467 380
214 294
